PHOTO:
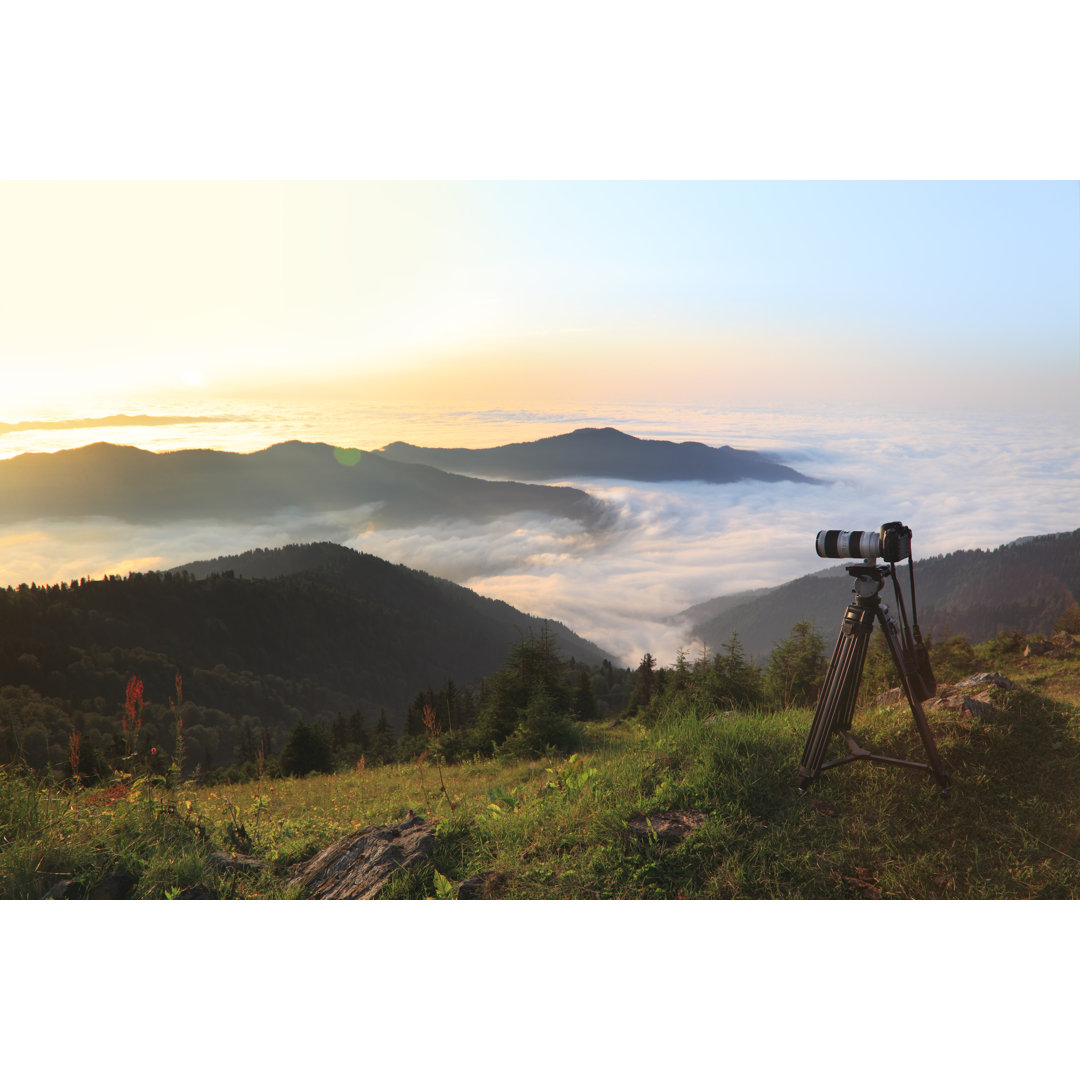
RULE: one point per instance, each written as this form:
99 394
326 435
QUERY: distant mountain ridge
603 453
139 486
1023 585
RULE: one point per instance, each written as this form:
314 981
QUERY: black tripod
836 703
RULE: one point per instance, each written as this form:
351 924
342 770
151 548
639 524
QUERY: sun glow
192 378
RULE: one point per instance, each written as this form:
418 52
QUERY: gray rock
961 703
197 892
484 886
119 885
62 890
985 680
224 860
358 866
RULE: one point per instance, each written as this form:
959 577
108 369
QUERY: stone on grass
119 885
486 886
358 866
197 892
63 890
225 860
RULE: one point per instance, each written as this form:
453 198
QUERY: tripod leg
836 702
937 766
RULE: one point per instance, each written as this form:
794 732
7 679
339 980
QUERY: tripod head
869 577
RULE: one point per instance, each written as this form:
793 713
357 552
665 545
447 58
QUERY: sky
490 294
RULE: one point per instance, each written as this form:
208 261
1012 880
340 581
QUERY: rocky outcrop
1057 648
972 696
969 697
357 867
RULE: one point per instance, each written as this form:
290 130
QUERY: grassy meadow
581 826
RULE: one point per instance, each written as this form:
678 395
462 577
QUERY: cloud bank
962 482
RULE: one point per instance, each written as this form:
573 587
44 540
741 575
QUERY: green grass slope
593 825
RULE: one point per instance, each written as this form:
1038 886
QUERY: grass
557 827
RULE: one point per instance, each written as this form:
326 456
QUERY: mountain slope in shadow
1023 586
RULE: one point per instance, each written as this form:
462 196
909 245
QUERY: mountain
140 486
267 638
601 453
1023 585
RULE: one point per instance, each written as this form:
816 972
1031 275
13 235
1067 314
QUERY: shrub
796 667
308 750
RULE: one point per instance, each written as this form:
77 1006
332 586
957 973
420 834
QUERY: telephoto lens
836 544
892 542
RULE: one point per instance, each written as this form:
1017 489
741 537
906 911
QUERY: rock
197 892
224 860
62 890
890 697
986 679
1047 648
486 886
357 867
961 703
971 696
119 885
1063 639
667 826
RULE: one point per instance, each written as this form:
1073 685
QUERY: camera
892 542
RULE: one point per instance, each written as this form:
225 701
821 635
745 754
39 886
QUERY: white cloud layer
963 481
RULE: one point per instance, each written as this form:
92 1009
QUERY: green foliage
1069 620
953 659
796 667
308 750
314 631
444 887
727 681
559 827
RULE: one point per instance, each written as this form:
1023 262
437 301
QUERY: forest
324 658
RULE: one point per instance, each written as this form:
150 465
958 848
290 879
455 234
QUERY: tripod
836 704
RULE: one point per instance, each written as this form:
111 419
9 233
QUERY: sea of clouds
965 480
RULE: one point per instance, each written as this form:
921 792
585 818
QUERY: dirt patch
665 826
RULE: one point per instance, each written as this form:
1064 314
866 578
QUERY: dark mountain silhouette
1024 586
270 637
139 486
602 453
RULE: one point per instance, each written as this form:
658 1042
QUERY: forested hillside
1022 586
323 630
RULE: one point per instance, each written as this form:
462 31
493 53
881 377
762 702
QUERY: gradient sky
496 294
